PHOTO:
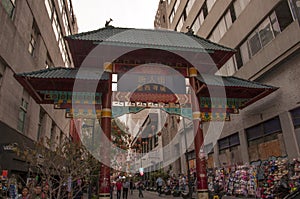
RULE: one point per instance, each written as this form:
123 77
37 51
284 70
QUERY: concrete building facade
266 36
32 38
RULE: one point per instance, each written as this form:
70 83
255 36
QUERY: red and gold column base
202 194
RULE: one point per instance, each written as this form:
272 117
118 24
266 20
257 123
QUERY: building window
229 142
33 39
266 31
245 56
229 152
66 23
61 5
200 18
205 10
40 124
295 113
265 128
210 4
49 8
239 6
180 22
172 15
284 14
189 5
9 6
228 19
114 82
264 140
232 13
56 27
238 58
22 115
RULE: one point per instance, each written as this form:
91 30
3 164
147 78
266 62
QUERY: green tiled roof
67 73
214 80
149 38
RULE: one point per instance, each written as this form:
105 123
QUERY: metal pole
187 159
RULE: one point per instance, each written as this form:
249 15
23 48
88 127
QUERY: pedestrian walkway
154 195
148 195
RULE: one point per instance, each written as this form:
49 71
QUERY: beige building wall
276 63
30 18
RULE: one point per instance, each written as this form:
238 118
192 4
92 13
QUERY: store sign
10 147
152 83
4 173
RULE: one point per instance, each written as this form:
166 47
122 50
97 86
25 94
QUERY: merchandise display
263 179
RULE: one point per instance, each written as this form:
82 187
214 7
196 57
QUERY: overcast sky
92 14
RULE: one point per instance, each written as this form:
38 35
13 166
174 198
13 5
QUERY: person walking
159 184
112 190
37 192
140 186
25 193
131 186
126 186
119 188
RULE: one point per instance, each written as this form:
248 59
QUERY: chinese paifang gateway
55 85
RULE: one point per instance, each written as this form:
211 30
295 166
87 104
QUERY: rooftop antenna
107 22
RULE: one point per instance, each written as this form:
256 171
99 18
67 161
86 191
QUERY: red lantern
166 124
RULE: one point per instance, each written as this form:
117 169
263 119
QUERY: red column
202 188
104 178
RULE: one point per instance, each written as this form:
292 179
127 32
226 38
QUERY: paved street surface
147 195
154 195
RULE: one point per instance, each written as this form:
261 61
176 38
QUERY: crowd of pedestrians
121 187
42 191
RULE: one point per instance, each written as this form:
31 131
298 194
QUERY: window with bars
295 113
264 129
229 142
9 6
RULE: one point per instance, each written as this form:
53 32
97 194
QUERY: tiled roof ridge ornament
107 23
190 31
